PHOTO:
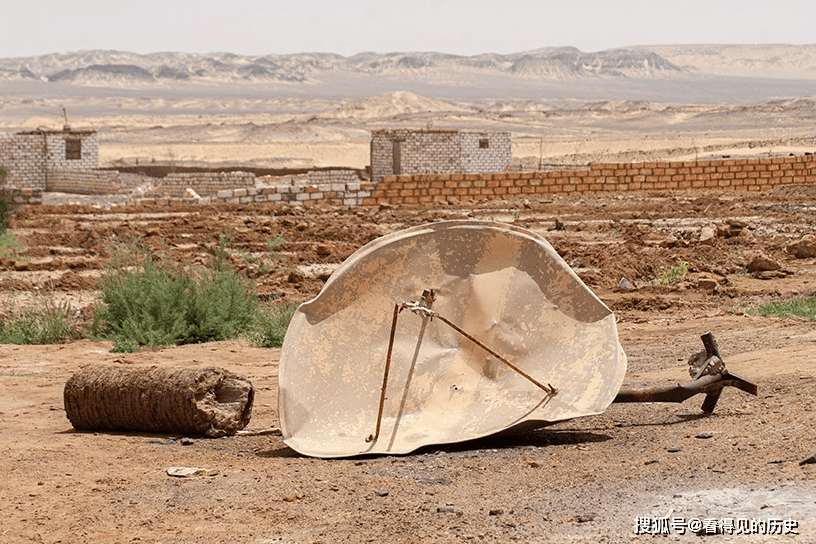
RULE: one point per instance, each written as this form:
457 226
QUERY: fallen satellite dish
443 333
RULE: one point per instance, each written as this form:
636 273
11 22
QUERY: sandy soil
578 481
575 122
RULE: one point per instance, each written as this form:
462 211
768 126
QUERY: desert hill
113 68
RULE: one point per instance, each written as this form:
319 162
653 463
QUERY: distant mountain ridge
99 67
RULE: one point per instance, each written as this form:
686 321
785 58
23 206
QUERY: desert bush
676 273
271 323
802 307
146 301
9 246
45 322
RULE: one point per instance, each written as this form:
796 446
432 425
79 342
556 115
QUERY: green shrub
804 307
676 273
147 302
46 322
271 323
9 246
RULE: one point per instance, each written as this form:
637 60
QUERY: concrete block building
56 160
30 158
415 151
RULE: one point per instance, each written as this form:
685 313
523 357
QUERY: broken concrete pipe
209 401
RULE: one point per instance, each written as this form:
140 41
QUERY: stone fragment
707 284
762 263
187 472
804 248
324 250
808 460
625 284
708 234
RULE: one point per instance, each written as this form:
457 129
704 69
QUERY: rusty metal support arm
376 435
422 308
712 383
709 377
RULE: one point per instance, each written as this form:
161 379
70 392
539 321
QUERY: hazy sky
256 27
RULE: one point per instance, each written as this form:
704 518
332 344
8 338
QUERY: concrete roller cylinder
203 401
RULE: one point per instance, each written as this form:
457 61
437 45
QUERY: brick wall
85 182
55 150
485 152
23 157
22 196
30 157
175 184
415 151
336 189
331 194
753 174
330 187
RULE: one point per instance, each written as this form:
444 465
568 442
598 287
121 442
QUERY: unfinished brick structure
55 160
755 174
413 151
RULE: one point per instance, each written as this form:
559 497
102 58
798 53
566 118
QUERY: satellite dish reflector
443 333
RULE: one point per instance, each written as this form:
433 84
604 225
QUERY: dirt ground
585 480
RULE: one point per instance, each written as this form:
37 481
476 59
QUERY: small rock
777 461
559 225
804 248
762 263
808 460
652 462
704 435
496 512
295 277
625 284
585 518
381 493
707 284
674 242
733 228
186 441
187 472
707 235
742 448
445 510
675 450
323 250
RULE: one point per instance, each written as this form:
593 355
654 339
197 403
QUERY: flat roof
53 132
